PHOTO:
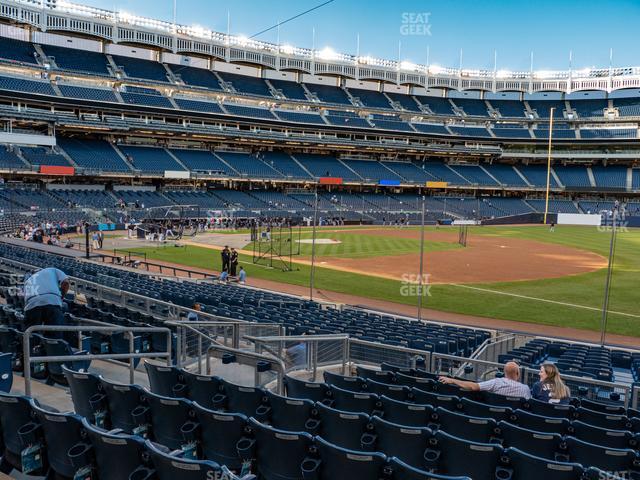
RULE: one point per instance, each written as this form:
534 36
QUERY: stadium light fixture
406 65
328 53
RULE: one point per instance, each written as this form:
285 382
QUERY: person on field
43 294
233 262
226 256
551 388
242 276
509 385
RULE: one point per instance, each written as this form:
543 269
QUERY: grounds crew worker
43 294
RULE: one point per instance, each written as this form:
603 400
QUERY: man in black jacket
225 254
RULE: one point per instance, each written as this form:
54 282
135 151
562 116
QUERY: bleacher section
589 108
283 163
370 98
536 175
246 84
474 174
371 170
299 117
471 107
19 84
17 51
196 77
43 156
610 176
509 108
150 159
505 174
145 96
248 165
84 93
140 68
198 106
329 94
244 111
78 60
326 166
291 90
96 155
9 159
573 176
203 161
438 105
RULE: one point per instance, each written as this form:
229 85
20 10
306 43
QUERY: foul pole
313 246
546 196
421 263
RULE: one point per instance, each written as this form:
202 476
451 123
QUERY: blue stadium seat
529 467
6 372
405 413
397 392
169 418
551 409
334 462
377 375
60 431
339 427
476 429
540 444
171 467
127 409
165 381
603 436
450 402
603 407
116 455
57 347
354 401
623 461
540 423
272 446
450 455
478 409
201 389
86 393
603 420
249 401
407 444
289 413
402 471
219 435
18 427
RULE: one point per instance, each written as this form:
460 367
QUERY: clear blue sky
512 27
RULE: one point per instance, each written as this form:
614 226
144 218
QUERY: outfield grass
585 289
352 245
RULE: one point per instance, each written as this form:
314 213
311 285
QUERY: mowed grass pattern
353 245
585 289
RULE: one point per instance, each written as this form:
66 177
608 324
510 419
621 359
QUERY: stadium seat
340 428
291 414
116 456
603 407
353 384
249 401
450 455
547 409
127 407
314 391
397 392
86 394
55 347
407 444
17 426
623 461
271 447
529 467
603 436
531 421
348 401
404 413
219 435
170 418
603 420
401 471
171 467
334 462
61 432
377 375
202 389
449 402
478 409
475 429
540 444
165 381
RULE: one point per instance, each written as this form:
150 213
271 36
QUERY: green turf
585 289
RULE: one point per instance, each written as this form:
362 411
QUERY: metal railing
131 356
233 334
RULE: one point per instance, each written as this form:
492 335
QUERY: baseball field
519 273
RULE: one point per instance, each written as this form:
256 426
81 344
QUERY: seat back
341 428
530 467
354 401
540 444
272 446
475 429
169 467
201 388
603 436
128 450
407 444
404 413
335 462
540 423
164 380
314 391
455 456
402 471
169 417
353 384
123 401
289 413
219 435
86 392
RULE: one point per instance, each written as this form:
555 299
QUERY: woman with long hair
550 388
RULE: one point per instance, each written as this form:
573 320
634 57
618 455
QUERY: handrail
28 360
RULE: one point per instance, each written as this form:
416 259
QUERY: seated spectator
509 385
550 388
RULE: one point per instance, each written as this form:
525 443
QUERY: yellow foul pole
546 197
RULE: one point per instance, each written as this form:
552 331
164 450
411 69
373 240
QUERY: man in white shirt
508 386
43 294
